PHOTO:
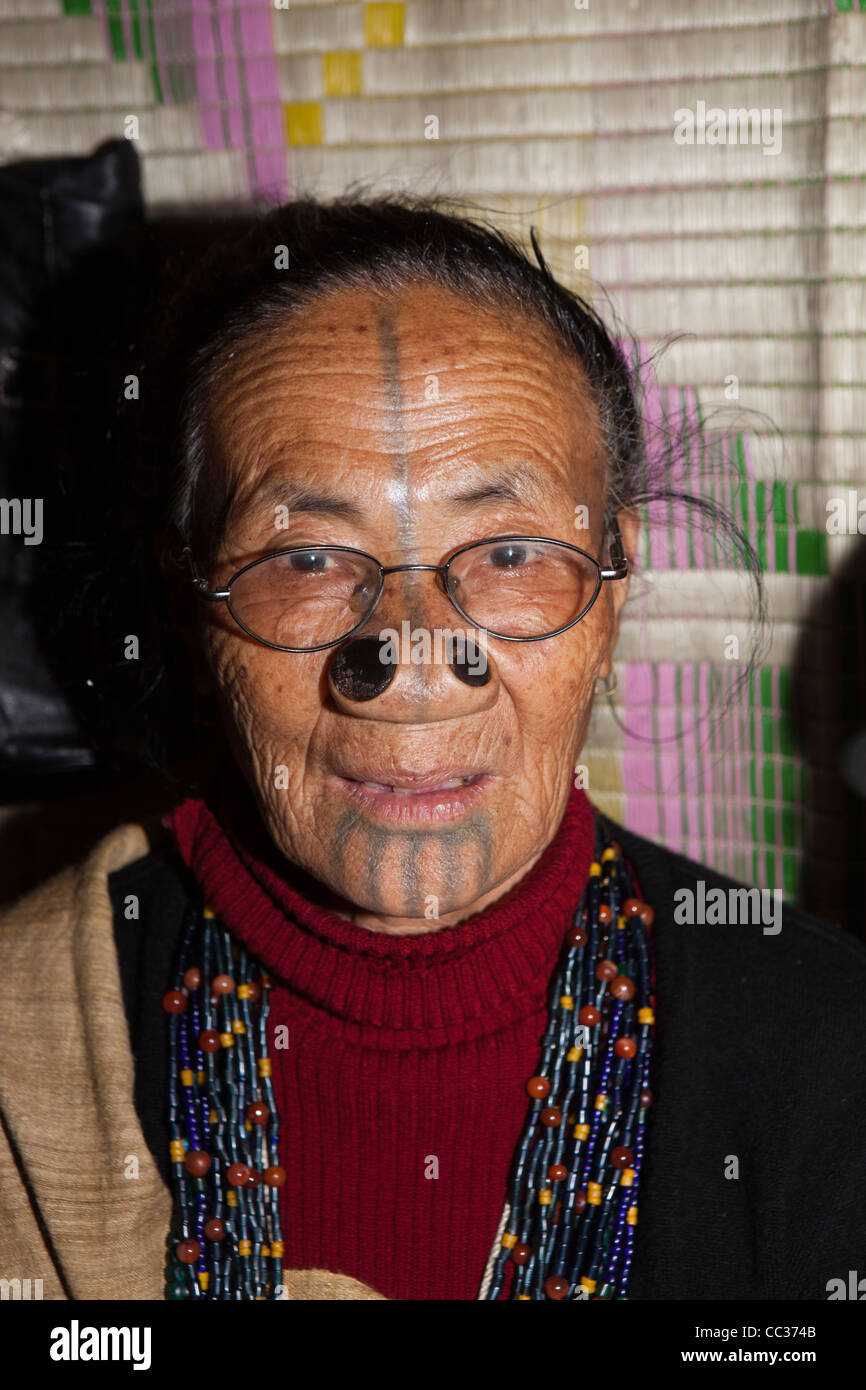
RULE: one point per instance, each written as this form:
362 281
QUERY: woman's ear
184 609
629 527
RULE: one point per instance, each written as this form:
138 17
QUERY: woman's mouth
427 799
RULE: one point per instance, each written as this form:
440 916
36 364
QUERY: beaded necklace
567 1229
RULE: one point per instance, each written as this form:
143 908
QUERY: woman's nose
412 667
365 667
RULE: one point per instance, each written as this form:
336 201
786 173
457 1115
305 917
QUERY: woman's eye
506 556
308 561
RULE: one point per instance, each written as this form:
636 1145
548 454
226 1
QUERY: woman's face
420 424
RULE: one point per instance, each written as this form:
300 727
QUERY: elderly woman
387 1008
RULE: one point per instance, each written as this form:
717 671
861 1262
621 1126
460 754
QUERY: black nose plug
359 672
473 667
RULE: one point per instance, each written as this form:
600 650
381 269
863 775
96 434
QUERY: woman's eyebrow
518 482
297 497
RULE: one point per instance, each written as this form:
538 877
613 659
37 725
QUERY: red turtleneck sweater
402 1092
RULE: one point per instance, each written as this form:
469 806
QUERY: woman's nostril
362 669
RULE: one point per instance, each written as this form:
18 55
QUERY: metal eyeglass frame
618 569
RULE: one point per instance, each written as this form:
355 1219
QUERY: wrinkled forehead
406 387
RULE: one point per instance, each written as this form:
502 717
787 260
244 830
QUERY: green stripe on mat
135 25
77 7
115 29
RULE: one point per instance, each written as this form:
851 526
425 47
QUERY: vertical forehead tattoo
386 326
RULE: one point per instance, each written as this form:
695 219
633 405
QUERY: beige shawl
82 1203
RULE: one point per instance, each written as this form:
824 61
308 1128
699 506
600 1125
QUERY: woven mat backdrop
563 118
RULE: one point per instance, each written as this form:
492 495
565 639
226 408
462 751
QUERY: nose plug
359 673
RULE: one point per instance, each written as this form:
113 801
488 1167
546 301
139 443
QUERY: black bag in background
68 229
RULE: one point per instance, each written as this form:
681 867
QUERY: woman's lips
418 804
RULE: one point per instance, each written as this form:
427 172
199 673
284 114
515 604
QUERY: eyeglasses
517 588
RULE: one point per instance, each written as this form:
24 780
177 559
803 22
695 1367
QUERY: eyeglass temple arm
619 562
200 582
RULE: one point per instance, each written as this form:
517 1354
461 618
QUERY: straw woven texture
564 118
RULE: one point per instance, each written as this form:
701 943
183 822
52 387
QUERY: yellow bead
209 913
238 1026
581 1131
545 1196
627 1177
175 1150
594 869
574 1054
266 1251
264 1066
227 1040
243 991
200 1077
593 1194
631 1216
566 1001
277 1249
523 1298
607 855
509 1240
245 1247
621 923
213 1117
204 1278
645 1016
601 1101
231 1198
186 1078
588 1284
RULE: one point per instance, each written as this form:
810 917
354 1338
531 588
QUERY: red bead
555 1287
646 1098
520 1254
605 912
274 1176
174 1001
192 978
254 1178
209 1041
625 1047
538 1087
258 1113
215 1229
631 907
222 984
646 914
622 1158
557 1172
188 1251
589 1015
255 990
579 1201
551 1117
197 1162
577 937
622 987
606 970
237 1174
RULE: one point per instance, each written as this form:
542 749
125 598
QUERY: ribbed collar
397 991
